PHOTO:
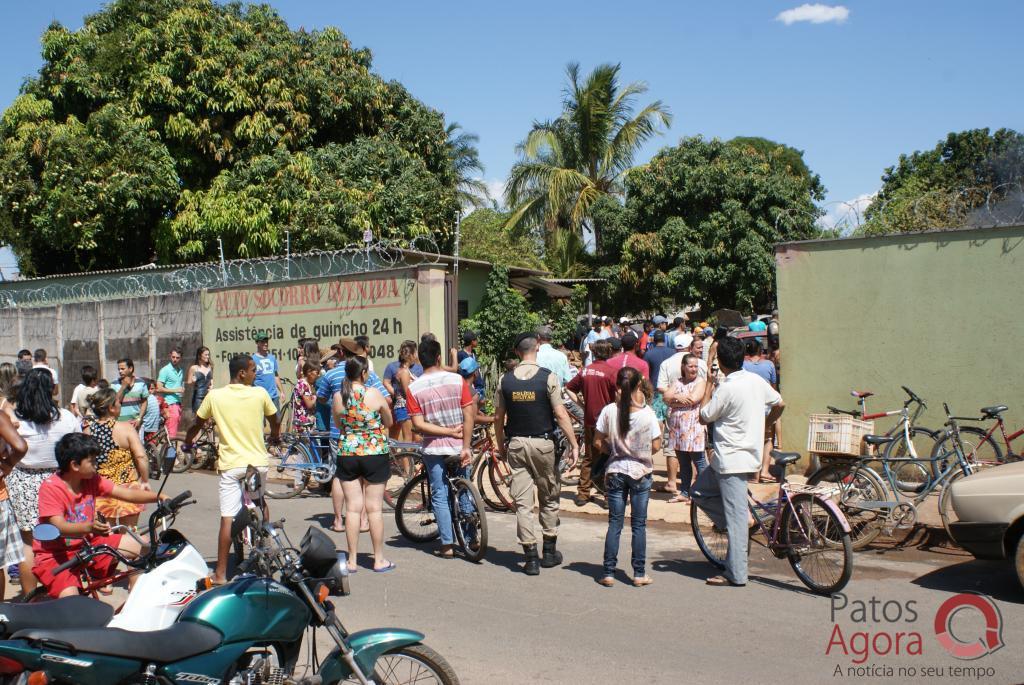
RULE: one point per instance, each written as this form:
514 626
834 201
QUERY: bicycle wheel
808 530
182 460
286 476
714 543
912 476
414 663
414 514
946 512
855 486
469 519
978 446
404 466
494 482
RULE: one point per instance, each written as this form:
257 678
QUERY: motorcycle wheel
414 663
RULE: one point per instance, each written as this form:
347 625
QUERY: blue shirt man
330 383
266 369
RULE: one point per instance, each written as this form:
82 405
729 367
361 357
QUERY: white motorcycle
169 575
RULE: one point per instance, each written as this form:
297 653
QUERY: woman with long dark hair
200 377
363 417
42 424
629 431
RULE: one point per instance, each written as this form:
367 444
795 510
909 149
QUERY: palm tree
465 159
565 165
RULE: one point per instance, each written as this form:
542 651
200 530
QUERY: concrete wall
937 312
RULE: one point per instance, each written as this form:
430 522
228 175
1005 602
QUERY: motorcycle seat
178 642
68 612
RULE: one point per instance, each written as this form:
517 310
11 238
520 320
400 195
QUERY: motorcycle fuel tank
250 609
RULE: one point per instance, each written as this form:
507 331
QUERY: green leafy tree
699 225
159 122
568 164
565 314
939 188
504 313
484 234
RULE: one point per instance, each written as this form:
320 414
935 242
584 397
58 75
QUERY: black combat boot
552 557
531 567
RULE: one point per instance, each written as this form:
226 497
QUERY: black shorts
375 468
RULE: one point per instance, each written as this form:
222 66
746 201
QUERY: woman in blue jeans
628 430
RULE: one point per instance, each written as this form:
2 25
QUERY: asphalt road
495 625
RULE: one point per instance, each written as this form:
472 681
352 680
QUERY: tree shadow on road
993 578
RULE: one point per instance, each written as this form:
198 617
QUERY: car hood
992 495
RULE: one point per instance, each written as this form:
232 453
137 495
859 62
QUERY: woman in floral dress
686 435
363 417
123 459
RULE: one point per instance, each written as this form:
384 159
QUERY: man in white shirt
737 409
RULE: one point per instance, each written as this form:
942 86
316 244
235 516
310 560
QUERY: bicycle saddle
994 412
785 458
861 393
878 439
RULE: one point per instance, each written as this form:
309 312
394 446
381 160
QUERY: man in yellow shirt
238 410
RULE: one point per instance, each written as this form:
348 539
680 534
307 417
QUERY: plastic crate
837 434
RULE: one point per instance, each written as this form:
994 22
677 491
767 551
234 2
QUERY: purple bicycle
802 524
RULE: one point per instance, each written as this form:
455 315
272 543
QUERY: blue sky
868 81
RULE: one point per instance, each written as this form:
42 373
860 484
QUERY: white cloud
815 14
496 187
846 215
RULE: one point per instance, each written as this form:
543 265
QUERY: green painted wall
472 280
940 313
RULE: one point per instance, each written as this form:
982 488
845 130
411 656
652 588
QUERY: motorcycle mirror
45 532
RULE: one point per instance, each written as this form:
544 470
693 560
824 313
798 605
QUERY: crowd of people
702 397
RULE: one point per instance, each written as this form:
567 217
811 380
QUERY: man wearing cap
551 359
267 369
627 357
527 406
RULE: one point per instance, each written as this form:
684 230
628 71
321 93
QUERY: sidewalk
659 508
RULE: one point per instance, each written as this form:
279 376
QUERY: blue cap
467 367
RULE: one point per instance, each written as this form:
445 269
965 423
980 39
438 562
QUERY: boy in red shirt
67 500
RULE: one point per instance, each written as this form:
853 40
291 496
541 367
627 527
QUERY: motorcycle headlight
337 579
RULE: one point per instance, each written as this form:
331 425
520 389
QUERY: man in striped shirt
442 410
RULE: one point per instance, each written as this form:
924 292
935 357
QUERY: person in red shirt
67 500
597 383
628 357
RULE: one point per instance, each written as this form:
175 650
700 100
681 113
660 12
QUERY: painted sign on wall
381 305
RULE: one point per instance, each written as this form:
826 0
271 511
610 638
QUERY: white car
990 509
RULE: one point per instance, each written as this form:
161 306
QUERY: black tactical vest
527 405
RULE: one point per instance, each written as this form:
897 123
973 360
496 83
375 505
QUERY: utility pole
223 266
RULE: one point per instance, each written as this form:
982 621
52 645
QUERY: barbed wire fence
936 210
370 255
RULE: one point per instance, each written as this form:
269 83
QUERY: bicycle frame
1001 425
773 509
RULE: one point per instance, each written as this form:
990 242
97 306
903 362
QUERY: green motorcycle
247 632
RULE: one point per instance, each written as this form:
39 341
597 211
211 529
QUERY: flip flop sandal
721 581
606 581
442 555
664 488
390 567
679 498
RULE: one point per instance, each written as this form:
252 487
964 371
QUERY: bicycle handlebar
848 412
73 561
913 396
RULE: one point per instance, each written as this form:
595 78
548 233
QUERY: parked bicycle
908 439
876 501
492 474
302 459
978 444
802 525
414 512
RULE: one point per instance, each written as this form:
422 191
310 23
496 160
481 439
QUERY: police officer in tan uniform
528 404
